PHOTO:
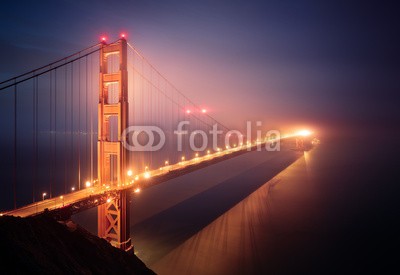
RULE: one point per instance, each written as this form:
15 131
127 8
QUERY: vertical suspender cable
33 140
51 130
72 119
79 125
86 116
37 133
142 113
91 122
34 108
171 123
15 147
55 174
65 130
130 83
151 111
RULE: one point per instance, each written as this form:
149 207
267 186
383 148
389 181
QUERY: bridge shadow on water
156 236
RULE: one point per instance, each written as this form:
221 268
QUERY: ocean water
336 211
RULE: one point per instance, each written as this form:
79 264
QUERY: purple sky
287 63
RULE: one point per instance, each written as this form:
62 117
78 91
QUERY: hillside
42 245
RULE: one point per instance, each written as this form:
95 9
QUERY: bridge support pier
114 222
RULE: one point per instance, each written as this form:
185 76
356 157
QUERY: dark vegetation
41 245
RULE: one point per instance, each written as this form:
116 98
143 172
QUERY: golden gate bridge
65 141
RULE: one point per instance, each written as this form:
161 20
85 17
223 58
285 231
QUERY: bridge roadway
75 202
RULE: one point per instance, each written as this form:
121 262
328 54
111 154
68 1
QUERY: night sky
328 66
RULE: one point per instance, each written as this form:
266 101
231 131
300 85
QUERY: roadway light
204 111
197 155
73 189
183 158
88 184
62 198
44 195
137 190
188 111
147 175
129 173
208 152
166 162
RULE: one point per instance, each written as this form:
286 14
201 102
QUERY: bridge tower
113 216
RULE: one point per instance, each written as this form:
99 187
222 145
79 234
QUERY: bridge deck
78 201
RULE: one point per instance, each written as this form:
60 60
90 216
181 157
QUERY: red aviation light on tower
204 111
123 35
103 39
